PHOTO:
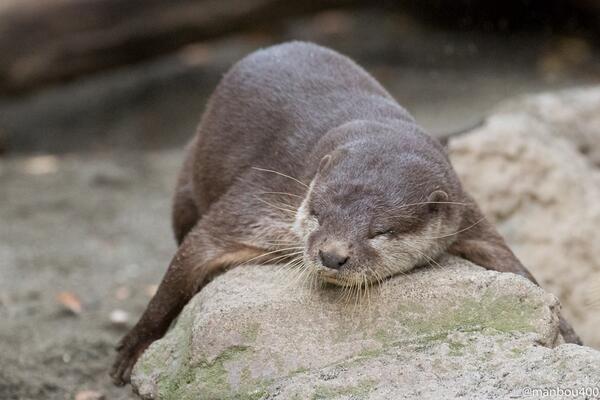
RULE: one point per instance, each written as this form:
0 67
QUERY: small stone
119 317
41 165
89 395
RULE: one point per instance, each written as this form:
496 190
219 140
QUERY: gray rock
538 179
453 330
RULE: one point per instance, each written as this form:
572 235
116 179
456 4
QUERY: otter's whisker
290 267
359 292
457 232
349 292
296 273
289 202
375 276
293 260
424 255
355 294
283 243
298 248
289 274
272 260
309 279
281 174
367 291
366 287
341 298
433 202
265 254
300 276
352 294
287 210
284 194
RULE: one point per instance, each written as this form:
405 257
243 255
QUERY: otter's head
368 216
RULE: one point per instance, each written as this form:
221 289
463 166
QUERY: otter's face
361 227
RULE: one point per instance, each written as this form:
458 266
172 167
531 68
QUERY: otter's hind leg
185 212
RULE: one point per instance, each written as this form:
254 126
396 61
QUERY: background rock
441 332
534 167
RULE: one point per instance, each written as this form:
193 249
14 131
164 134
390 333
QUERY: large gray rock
534 169
440 332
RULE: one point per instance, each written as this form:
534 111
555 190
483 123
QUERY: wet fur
243 192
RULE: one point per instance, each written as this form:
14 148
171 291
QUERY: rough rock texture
534 167
437 333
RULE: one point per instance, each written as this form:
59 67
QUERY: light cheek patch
305 224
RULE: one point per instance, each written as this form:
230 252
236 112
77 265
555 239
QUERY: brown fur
300 147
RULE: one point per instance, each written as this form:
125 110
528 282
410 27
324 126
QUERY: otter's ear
436 198
324 163
328 160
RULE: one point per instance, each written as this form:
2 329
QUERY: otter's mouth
333 280
343 279
329 276
339 277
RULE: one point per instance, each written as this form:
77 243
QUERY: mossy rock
250 334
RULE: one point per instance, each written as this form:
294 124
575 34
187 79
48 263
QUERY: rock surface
537 177
437 333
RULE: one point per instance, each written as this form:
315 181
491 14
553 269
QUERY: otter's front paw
129 349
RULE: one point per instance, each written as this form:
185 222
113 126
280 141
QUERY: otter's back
272 107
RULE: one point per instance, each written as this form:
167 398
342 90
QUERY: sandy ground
95 227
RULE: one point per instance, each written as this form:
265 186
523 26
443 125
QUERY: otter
302 155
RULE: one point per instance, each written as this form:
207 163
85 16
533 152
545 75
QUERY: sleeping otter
301 153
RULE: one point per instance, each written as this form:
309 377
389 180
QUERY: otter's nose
334 256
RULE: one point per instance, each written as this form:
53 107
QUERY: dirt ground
68 226
85 237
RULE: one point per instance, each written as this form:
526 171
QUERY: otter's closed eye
387 232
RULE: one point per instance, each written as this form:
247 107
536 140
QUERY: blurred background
88 75
97 98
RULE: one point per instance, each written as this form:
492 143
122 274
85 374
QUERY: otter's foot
129 349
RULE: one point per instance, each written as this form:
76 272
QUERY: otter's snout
334 254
